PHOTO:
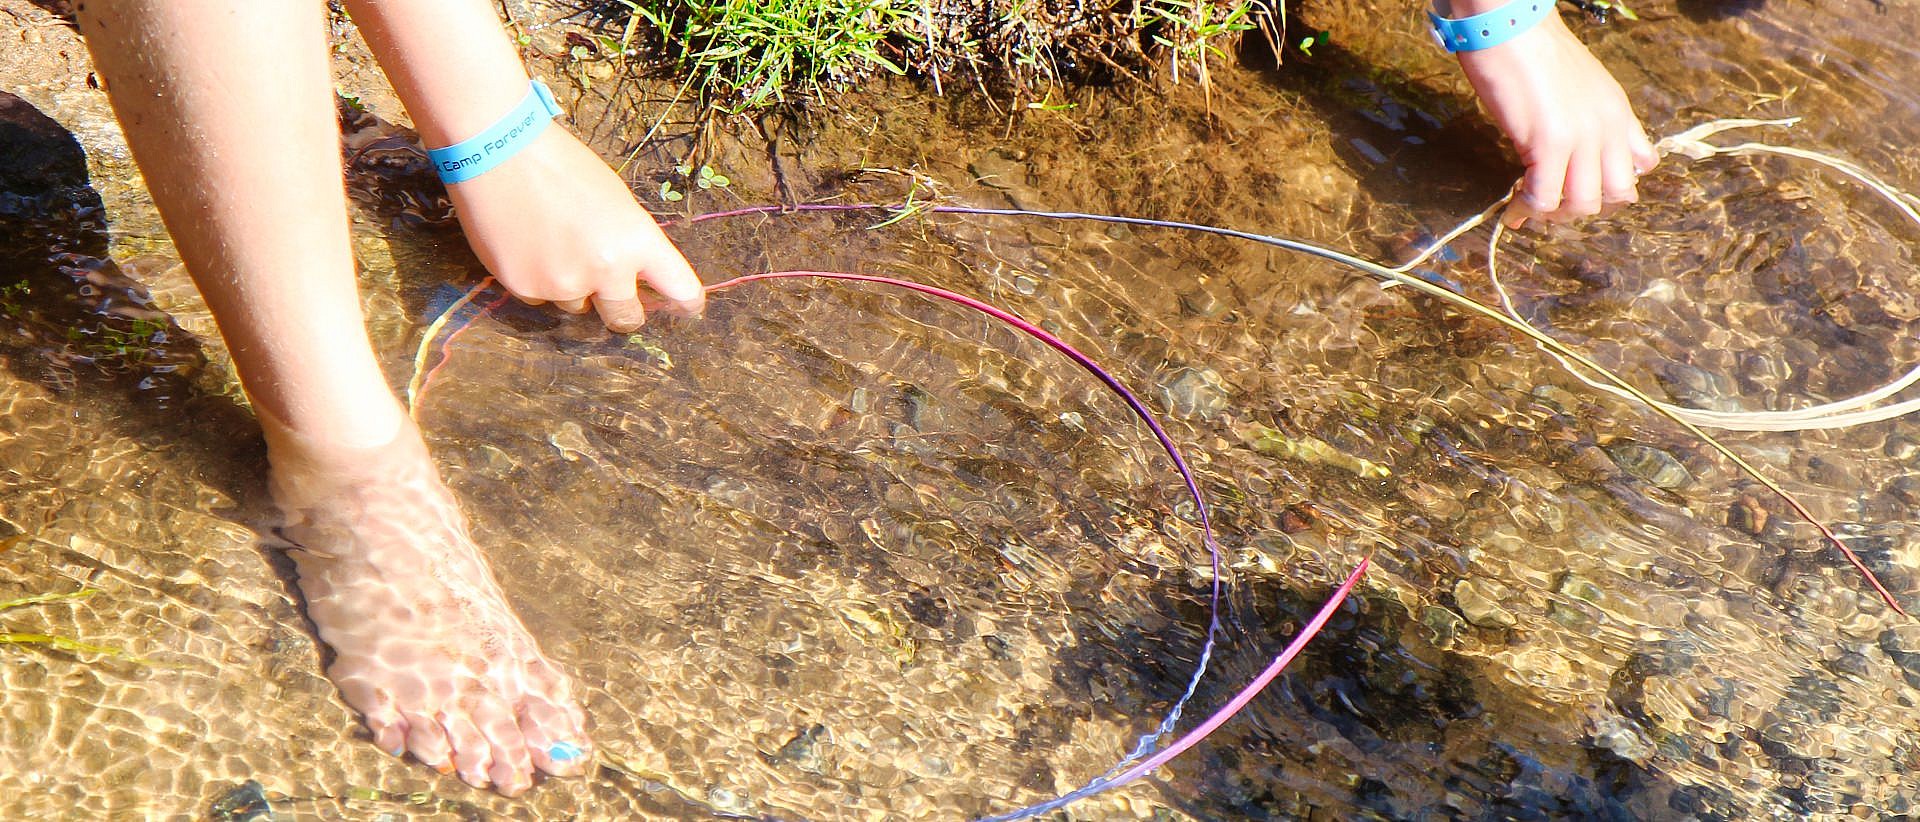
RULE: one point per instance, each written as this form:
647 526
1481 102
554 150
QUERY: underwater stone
1901 448
1556 398
1746 514
1902 645
1620 736
1693 386
804 750
1574 586
1851 663
1443 626
1763 371
1905 488
728 801
1481 609
244 803
1196 392
1822 471
1000 169
1651 464
1202 303
1568 616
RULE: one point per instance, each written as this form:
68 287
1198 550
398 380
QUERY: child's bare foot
425 645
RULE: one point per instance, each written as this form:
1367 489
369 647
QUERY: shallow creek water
839 552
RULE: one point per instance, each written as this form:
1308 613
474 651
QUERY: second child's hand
1570 121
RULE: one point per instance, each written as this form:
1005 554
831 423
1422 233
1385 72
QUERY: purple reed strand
1107 781
1143 748
1213 723
1113 383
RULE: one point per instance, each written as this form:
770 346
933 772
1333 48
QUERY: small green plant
10 295
1307 43
1191 30
707 178
651 349
741 55
130 344
748 54
704 178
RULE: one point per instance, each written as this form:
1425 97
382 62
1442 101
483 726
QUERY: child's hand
1569 119
555 224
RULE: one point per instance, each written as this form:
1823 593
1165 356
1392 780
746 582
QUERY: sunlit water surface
836 551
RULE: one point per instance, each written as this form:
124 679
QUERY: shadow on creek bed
75 322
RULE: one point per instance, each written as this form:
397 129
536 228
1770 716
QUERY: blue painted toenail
564 752
399 752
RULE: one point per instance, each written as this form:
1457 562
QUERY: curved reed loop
1146 756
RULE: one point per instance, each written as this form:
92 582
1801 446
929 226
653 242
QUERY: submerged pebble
1199 302
805 750
1695 387
1480 607
1645 462
1556 398
999 168
246 802
1905 488
1746 514
728 801
1443 627
1196 392
1901 448
1623 738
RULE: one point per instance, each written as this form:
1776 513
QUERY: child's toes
472 753
554 741
512 771
428 742
389 734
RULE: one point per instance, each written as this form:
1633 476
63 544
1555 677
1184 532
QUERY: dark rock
243 803
804 750
1200 302
1746 514
1905 488
1694 387
1901 448
44 189
1650 464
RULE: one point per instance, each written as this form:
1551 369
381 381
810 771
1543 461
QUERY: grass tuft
750 54
743 55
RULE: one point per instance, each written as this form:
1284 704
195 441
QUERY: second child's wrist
1477 26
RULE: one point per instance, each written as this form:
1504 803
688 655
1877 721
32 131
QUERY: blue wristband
1490 28
477 155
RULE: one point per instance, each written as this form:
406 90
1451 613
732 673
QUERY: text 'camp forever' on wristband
478 154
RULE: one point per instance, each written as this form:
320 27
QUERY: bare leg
228 109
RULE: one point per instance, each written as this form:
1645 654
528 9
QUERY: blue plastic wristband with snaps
1489 28
477 155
